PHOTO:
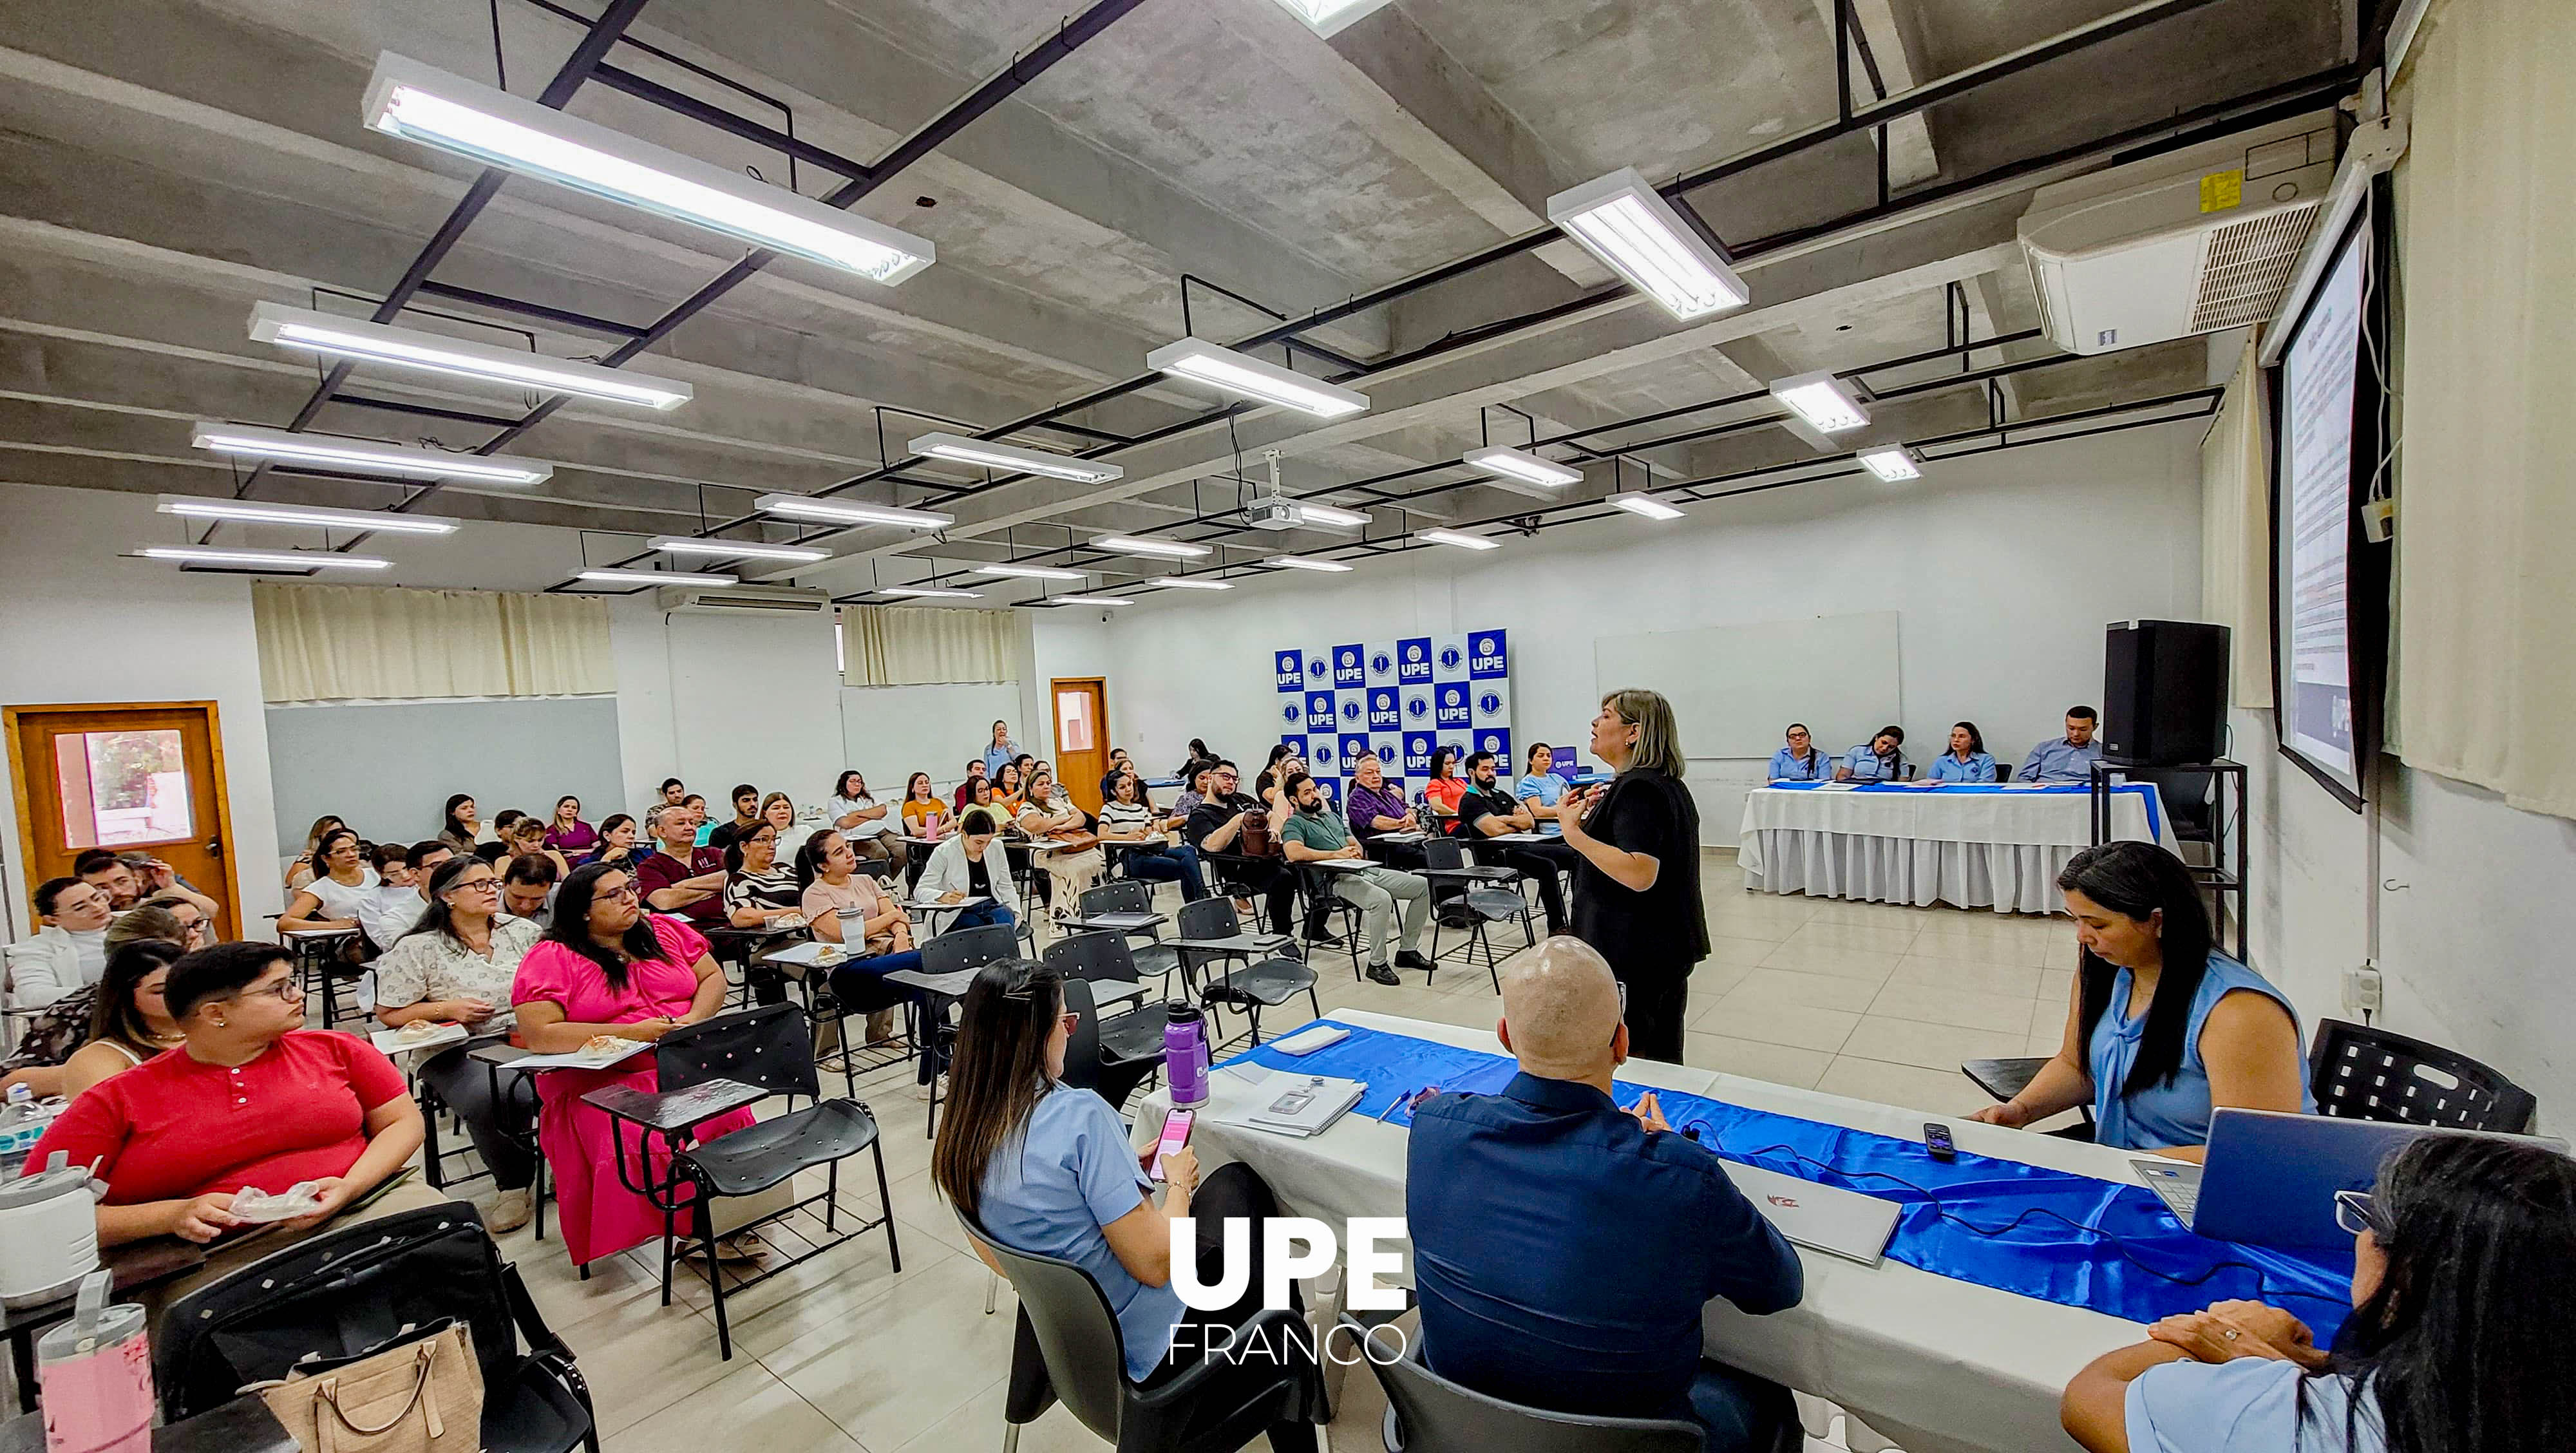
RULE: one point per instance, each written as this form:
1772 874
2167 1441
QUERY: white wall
715 700
2004 569
890 732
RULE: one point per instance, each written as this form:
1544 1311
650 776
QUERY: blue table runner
2146 791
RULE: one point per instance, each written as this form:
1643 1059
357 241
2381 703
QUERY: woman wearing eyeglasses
2461 1338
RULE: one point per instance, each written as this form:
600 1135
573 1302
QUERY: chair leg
715 1271
992 1292
537 1195
885 1201
670 1256
1010 1438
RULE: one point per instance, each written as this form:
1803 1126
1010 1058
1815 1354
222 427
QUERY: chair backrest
1436 1415
968 948
1094 956
771 1047
1086 1356
1209 918
1082 1047
1124 896
2187 797
2003 771
2361 1072
1441 852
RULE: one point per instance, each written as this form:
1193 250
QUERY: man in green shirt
1383 895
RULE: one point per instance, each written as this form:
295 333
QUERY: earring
219 1024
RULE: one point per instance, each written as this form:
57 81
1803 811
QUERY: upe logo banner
1413 661
1381 665
1390 758
1294 743
1385 713
1352 749
1491 702
1350 669
1450 706
1352 709
1417 754
1288 671
1417 707
1319 711
1319 670
1497 740
1319 757
1291 715
1449 657
1486 656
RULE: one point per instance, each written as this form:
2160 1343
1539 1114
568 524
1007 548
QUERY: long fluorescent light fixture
1030 572
1522 466
365 456
1326 17
1891 462
1331 516
258 512
1822 400
1644 504
1241 373
437 353
849 512
425 104
927 592
1629 226
262 559
1148 545
1089 600
1304 562
1010 456
611 576
1453 537
736 549
1191 582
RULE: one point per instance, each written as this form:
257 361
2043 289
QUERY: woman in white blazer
972 865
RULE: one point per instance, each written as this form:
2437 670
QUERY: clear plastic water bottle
22 1124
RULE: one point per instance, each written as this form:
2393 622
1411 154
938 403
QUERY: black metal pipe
424 411
618 78
566 316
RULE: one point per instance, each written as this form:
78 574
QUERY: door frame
229 893
1100 685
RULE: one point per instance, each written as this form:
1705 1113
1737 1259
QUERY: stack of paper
1303 1105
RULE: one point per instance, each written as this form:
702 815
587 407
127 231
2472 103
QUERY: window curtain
921 646
2486 489
2236 532
348 642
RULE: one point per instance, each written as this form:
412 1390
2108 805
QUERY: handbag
420 1396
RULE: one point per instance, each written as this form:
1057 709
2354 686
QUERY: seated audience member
1044 1168
1444 787
2460 1340
128 881
2069 758
129 1023
1193 790
1199 757
1010 788
69 952
979 793
1126 816
1966 759
1539 789
966 785
2161 1028
1216 826
697 806
1394 905
174 921
1486 810
872 827
1048 815
971 864
606 967
527 838
571 839
391 865
1799 761
1880 759
176 1136
1119 762
1376 807
388 910
461 828
336 894
746 811
760 887
528 887
681 877
846 907
57 1032
617 838
1001 749
674 793
1564 1248
779 811
504 820
924 815
299 869
457 965
1271 779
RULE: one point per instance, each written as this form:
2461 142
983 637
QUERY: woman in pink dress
605 967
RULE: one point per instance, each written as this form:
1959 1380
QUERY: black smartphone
1936 1139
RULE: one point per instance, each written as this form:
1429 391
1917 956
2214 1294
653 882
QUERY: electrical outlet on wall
2361 990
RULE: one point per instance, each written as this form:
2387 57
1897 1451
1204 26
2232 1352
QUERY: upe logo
1383 711
1416 665
1347 671
1316 668
1449 658
1381 663
1417 707
1290 712
1317 1250
1351 709
1490 702
1488 657
1287 674
1493 743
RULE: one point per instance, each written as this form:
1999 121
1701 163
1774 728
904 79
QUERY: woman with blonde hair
1076 864
1636 892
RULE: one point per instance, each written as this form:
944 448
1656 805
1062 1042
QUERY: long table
1935 1364
1981 845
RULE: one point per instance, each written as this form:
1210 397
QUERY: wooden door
1081 737
146 778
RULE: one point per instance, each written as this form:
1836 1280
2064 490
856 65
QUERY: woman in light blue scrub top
1788 765
2162 1028
1967 759
2462 1338
1880 759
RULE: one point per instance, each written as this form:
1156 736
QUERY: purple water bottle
1185 1055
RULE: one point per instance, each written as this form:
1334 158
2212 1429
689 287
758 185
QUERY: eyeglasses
626 892
287 990
2356 1212
492 883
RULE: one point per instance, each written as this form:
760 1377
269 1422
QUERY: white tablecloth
1972 847
1936 1365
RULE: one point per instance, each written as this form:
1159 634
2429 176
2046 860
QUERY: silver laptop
1816 1216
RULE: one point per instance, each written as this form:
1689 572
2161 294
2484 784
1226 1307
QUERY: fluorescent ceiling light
437 353
1332 516
1324 17
1453 537
1089 600
365 456
1523 466
1191 582
1302 562
1148 545
1644 504
262 559
608 576
1627 224
257 512
849 512
1890 462
1011 456
1031 572
929 592
424 104
1241 373
1822 400
736 549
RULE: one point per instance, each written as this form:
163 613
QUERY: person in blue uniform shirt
1540 788
1966 761
2071 757
1880 759
1800 761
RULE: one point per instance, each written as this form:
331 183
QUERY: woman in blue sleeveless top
2162 1028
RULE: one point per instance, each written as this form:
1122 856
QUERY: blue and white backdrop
1399 699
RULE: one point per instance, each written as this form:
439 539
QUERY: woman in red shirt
1446 786
250 1100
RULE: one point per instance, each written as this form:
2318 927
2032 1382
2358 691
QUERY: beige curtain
924 646
2486 493
344 642
2236 532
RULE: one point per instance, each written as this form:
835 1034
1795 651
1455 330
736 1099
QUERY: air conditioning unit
743 600
2188 242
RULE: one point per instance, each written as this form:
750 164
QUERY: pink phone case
1176 1133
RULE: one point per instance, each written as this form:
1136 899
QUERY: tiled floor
1858 999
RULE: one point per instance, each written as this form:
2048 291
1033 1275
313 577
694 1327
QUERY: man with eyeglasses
1216 826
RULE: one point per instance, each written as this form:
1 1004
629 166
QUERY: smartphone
1176 1133
1936 1140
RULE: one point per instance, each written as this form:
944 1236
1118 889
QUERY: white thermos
48 1234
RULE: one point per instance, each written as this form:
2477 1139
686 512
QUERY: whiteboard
388 768
1734 689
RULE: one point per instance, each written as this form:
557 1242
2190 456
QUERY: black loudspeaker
2164 692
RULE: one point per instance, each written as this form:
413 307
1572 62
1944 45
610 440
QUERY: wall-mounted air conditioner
2188 242
742 600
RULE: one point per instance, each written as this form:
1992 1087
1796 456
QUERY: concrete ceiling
164 164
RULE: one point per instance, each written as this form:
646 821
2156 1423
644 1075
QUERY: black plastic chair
2360 1072
1153 956
1210 931
1215 1406
1110 1053
1427 1413
1484 896
2003 771
356 1290
714 1068
1315 886
927 1014
2004 1078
